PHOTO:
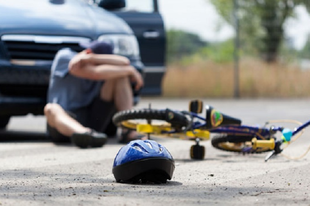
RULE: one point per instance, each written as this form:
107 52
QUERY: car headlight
125 45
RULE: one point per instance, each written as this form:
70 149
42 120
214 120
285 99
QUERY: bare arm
111 66
86 57
108 59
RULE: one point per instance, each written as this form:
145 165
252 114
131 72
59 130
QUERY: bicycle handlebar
273 145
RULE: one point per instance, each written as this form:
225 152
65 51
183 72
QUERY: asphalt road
34 171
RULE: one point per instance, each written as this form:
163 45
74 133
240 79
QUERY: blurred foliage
305 52
261 23
221 52
181 44
188 48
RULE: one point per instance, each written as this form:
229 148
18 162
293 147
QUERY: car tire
4 120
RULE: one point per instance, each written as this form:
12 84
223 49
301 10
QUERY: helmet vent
149 145
138 148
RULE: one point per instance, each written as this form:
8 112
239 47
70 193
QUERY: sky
200 17
197 16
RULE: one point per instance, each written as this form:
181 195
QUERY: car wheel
4 120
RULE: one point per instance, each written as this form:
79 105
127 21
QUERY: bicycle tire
122 118
235 143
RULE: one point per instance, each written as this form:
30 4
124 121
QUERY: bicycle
230 134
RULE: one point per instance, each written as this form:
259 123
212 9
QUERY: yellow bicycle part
152 129
269 144
158 129
199 133
134 125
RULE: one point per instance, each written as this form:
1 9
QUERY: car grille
35 51
30 47
30 60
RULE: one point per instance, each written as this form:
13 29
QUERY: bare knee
48 109
51 110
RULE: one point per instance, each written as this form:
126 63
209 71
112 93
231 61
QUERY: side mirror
112 4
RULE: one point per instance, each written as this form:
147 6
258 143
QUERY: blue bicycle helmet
142 161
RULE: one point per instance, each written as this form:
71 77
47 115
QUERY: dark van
32 31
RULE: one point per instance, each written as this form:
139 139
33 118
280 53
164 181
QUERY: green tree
181 43
218 52
261 22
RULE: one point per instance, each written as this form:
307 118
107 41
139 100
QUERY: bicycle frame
261 133
201 125
301 127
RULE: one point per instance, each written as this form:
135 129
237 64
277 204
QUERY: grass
256 79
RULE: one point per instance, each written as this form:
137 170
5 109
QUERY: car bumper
23 89
15 106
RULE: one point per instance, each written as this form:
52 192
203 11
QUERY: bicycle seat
215 118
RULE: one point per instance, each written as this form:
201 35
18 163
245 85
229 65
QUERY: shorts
96 116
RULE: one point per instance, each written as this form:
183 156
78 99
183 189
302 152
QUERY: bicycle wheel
235 143
166 120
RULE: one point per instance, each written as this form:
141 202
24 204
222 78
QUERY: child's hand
137 78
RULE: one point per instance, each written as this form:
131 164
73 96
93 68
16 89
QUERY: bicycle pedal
196 106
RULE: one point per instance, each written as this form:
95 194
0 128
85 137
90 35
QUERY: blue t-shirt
69 91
